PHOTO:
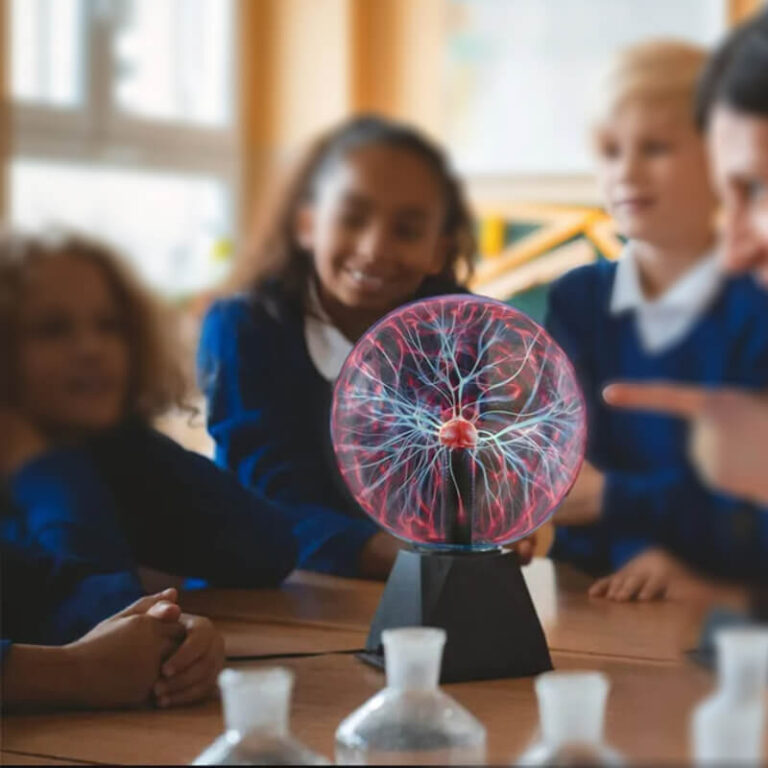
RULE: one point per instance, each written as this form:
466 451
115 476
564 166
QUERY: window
124 125
519 75
48 47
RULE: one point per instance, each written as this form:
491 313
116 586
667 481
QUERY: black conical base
480 600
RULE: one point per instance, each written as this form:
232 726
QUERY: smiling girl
374 218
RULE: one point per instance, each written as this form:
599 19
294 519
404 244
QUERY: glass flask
571 716
729 726
256 706
411 721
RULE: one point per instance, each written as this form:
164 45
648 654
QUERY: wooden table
640 647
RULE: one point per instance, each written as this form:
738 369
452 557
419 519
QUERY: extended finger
674 399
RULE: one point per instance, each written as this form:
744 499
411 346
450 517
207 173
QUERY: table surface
313 622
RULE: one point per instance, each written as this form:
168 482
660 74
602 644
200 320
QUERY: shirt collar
327 346
690 293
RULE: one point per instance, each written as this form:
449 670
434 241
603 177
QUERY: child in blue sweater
729 428
373 218
85 478
664 311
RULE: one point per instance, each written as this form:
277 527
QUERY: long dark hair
278 258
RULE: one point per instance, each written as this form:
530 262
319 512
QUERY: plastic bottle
411 721
256 715
571 715
728 727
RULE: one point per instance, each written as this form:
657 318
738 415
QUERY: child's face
739 151
73 355
653 174
375 228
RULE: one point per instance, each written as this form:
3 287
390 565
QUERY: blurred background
160 125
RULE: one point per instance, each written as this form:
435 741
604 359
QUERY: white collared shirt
327 346
664 321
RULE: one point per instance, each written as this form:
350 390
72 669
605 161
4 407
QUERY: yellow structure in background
563 237
491 240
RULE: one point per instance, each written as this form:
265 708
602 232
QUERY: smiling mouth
366 280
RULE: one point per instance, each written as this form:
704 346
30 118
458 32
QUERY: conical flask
256 715
728 727
411 721
571 715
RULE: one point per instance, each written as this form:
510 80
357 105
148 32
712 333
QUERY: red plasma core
458 433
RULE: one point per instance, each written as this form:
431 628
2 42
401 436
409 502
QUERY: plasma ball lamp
458 424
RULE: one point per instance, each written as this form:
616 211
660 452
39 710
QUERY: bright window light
48 51
174 60
170 225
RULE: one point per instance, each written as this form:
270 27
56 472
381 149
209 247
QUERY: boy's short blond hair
656 71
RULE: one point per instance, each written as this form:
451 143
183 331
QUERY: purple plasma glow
458 423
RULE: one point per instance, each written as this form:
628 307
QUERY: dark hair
277 255
737 72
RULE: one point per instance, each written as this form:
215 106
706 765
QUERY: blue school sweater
653 496
47 599
269 413
131 497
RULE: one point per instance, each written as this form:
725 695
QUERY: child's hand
525 549
378 556
119 660
583 504
647 576
190 673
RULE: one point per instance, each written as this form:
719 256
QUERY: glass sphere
458 423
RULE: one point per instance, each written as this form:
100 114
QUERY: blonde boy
664 311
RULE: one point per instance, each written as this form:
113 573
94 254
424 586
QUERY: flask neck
413 658
256 701
572 707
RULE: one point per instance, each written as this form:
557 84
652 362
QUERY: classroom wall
308 63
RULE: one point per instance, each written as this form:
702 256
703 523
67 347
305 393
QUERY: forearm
37 675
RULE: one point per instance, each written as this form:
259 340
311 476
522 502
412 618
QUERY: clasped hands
150 651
